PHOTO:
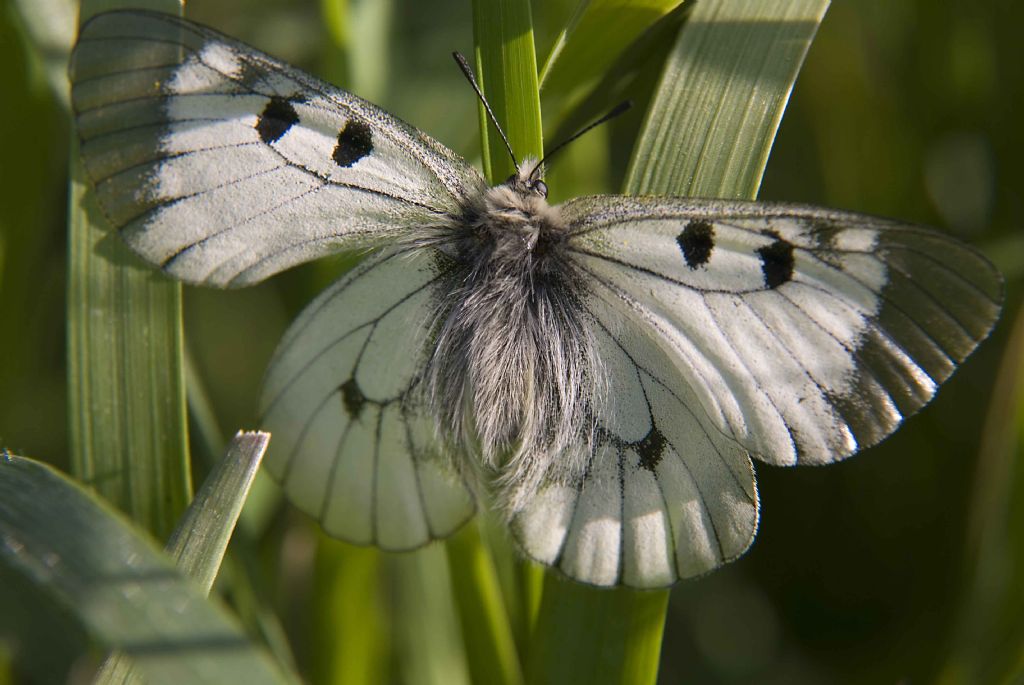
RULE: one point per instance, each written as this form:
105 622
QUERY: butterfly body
606 368
511 368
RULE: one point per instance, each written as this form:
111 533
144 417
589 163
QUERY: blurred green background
899 565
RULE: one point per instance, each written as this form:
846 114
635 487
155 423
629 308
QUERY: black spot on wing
275 120
776 262
353 398
696 241
651 448
354 142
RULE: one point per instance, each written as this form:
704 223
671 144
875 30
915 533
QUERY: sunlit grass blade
988 646
590 635
506 66
427 645
708 132
201 537
722 94
487 632
66 554
350 633
126 397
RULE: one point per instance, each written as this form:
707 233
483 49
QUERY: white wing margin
224 166
805 334
666 494
351 446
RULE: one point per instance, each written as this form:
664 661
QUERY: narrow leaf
722 94
80 560
201 537
595 37
487 632
126 396
506 65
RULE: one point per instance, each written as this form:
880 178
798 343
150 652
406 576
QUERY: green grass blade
987 646
349 641
708 132
487 631
65 553
595 37
506 67
427 647
126 394
722 94
590 635
201 538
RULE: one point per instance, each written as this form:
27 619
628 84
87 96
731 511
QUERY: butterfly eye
541 188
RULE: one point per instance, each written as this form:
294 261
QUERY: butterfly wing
804 334
666 495
224 166
791 333
351 444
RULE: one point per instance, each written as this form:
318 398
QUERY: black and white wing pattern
352 446
666 495
728 330
223 166
806 334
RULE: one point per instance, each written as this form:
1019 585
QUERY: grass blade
126 392
506 68
65 552
721 98
201 538
595 37
487 631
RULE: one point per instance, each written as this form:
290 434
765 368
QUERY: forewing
351 445
806 334
224 166
666 495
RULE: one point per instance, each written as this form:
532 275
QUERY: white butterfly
603 370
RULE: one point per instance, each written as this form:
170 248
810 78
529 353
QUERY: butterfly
601 371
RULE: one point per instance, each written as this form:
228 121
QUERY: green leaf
596 35
486 630
721 98
201 537
350 636
126 395
426 635
708 131
591 635
506 68
65 553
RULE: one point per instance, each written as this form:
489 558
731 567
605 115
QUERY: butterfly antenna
468 72
614 112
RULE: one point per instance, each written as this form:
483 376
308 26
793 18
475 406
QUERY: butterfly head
517 213
527 180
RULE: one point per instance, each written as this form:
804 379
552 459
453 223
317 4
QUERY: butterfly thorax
513 355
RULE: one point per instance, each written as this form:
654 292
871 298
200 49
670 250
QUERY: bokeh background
900 565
